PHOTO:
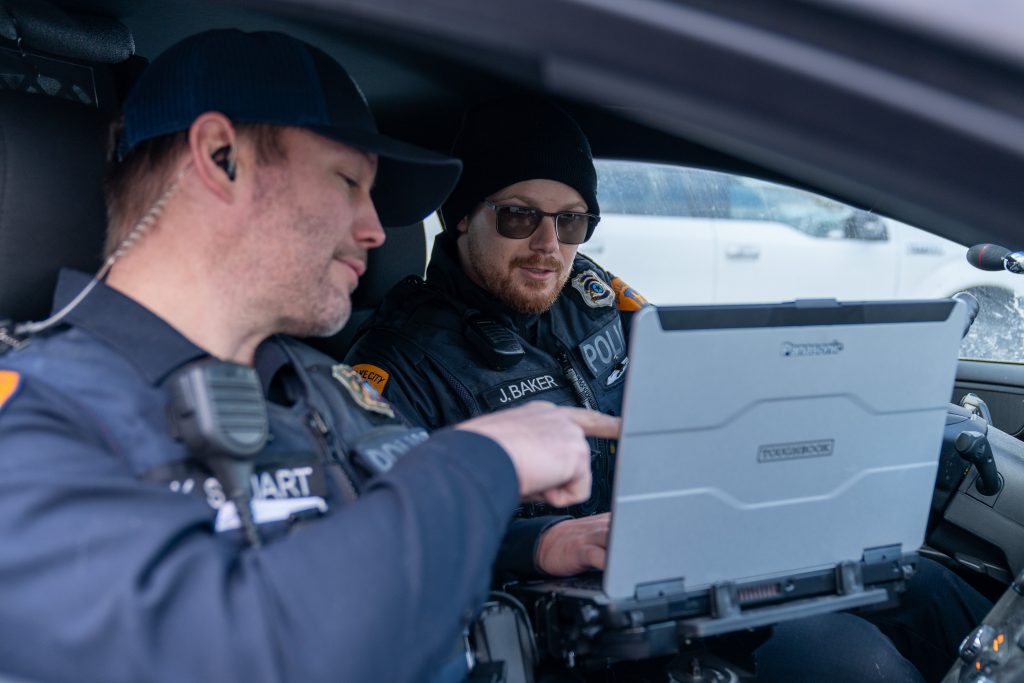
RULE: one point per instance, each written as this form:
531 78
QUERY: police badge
361 391
593 290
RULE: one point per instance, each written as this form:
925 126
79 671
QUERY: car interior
694 96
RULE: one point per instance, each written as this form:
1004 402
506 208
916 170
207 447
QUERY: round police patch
593 290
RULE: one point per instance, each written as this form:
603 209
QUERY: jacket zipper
585 395
342 476
582 390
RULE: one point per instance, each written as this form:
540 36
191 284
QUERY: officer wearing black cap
509 311
136 445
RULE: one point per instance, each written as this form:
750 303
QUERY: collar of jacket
153 346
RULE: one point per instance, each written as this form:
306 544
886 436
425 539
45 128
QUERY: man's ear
213 144
462 227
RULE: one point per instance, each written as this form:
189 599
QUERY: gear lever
977 405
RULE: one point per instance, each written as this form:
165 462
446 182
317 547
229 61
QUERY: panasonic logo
818 349
791 451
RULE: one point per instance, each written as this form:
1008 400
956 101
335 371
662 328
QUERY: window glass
645 190
685 235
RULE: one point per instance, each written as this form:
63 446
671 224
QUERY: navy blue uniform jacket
110 566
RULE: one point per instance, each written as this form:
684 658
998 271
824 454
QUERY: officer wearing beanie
242 204
510 312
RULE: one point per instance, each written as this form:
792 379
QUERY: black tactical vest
574 354
355 435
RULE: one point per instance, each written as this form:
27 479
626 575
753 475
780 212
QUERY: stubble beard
323 323
305 307
316 309
523 297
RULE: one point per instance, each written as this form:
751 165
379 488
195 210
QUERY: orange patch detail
627 298
377 377
9 383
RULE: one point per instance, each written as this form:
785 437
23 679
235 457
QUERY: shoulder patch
593 290
627 298
361 391
10 382
374 374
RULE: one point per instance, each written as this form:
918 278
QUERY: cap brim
411 182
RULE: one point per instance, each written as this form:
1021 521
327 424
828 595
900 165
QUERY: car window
647 190
687 235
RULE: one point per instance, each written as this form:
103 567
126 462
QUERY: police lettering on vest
378 450
604 350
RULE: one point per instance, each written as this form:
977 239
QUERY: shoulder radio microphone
217 409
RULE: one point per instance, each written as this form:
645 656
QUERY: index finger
594 423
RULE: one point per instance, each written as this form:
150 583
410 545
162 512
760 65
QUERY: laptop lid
763 440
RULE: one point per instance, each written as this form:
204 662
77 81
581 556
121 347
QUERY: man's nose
545 238
367 230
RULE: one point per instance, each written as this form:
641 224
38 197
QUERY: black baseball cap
269 77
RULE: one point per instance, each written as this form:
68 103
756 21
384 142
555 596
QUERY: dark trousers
916 641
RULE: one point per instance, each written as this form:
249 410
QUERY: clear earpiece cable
140 229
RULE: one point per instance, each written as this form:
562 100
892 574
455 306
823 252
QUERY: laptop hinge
849 578
850 575
659 589
883 553
724 601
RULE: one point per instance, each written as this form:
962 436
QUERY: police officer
507 268
240 210
511 312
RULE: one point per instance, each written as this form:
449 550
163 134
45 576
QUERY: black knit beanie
507 141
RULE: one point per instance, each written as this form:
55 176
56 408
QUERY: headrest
52 159
404 253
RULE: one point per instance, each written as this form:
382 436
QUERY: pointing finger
594 423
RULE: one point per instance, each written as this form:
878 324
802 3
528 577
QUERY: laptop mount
584 628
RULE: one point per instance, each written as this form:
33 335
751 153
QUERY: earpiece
226 160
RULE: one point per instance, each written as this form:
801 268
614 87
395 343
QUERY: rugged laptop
776 461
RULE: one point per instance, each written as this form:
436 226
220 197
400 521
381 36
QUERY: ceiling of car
920 120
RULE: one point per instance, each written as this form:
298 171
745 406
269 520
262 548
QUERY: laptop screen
764 440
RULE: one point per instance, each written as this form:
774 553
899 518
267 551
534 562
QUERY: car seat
53 140
52 156
404 253
58 84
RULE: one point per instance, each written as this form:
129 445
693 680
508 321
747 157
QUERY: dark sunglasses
519 222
